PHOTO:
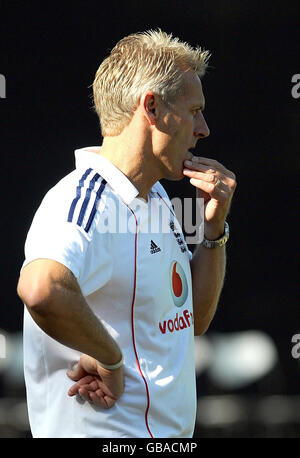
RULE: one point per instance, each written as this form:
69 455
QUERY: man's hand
101 386
216 185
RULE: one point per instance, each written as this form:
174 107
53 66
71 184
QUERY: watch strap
220 241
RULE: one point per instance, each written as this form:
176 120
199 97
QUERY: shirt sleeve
60 241
51 236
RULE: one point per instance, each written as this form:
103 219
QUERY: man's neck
133 160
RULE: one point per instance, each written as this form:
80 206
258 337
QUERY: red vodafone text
178 323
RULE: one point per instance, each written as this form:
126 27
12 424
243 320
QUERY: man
116 311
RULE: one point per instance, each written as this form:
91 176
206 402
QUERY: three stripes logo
154 248
88 202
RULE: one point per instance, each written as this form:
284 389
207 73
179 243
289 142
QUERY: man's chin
175 176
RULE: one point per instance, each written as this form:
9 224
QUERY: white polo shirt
136 278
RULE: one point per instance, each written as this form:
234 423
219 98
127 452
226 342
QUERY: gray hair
151 60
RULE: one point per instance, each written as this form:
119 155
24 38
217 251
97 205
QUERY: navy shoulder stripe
94 209
87 200
78 194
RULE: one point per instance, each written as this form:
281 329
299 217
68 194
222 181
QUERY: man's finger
84 393
207 172
207 169
209 177
93 386
109 401
212 164
214 190
84 382
101 400
73 390
198 166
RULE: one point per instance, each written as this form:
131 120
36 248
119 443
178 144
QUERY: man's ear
149 103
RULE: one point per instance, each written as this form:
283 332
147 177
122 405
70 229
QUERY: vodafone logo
178 284
179 293
180 322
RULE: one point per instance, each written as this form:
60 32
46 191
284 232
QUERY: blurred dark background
49 53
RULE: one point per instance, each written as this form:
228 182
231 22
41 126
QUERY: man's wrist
112 366
111 357
214 232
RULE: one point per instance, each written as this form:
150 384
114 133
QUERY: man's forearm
208 271
55 302
69 320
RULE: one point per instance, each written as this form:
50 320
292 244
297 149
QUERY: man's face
179 127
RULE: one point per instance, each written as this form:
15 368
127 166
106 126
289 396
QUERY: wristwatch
219 242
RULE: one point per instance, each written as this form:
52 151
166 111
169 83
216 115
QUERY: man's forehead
193 89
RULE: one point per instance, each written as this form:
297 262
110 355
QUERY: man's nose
202 129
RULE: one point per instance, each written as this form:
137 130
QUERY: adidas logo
154 248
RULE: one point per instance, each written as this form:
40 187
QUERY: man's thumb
76 373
